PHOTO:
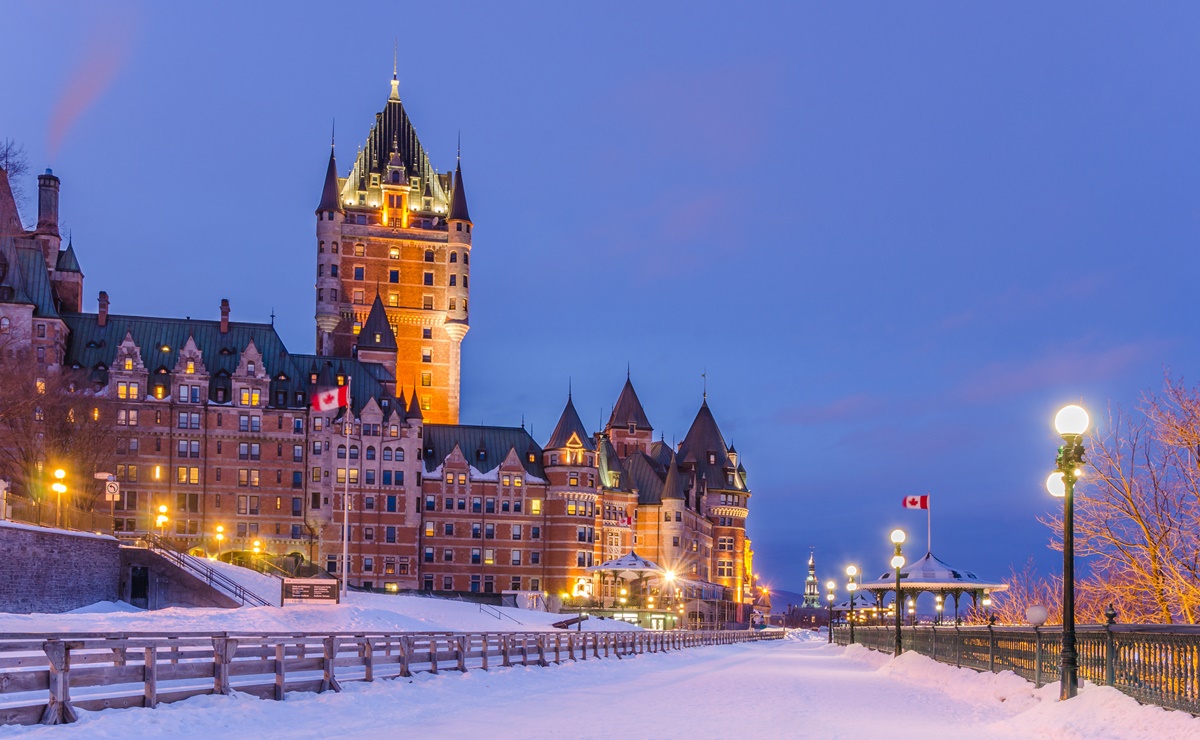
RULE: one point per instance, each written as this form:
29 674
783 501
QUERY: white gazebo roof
931 574
629 562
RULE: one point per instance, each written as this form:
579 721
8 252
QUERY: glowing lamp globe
1071 421
898 536
830 585
1056 485
898 561
1036 615
851 571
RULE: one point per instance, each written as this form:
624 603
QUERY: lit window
426 403
128 363
426 379
535 506
190 369
394 253
393 299
359 297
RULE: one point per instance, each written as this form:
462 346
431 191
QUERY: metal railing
47 677
43 514
1155 664
205 573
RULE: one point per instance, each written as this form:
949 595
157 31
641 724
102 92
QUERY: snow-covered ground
266 587
800 687
360 612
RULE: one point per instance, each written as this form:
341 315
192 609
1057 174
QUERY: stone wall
54 570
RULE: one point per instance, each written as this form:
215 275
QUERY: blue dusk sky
895 236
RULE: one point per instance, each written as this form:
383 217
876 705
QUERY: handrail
209 575
494 612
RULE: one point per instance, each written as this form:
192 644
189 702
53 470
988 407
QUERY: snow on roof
931 574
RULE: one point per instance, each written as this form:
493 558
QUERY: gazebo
930 575
629 568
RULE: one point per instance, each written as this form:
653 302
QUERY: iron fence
1155 664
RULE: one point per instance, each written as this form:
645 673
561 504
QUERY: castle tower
392 230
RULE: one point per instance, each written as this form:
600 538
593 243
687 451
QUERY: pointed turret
414 408
570 427
458 201
628 409
329 191
10 218
377 332
673 485
67 261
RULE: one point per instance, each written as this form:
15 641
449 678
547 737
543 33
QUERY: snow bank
266 587
6 524
359 613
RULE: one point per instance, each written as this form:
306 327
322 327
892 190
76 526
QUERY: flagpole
347 423
928 525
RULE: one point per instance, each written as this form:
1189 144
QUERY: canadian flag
916 502
331 399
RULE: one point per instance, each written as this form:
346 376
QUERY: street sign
112 491
310 591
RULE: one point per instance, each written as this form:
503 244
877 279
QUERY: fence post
1037 657
223 650
405 652
1110 647
58 708
368 649
280 670
486 647
957 647
541 646
329 679
150 677
991 649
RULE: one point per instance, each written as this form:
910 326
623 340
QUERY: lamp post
912 610
830 587
898 563
1071 422
220 538
938 607
59 488
161 520
851 586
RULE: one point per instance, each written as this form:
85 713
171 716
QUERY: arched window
429 255
394 253
466 257
454 256
387 454
341 453
353 452
4 324
370 453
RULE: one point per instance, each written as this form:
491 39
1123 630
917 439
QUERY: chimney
102 318
48 203
224 315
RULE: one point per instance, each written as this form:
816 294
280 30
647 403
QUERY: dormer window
128 363
712 458
249 368
633 427
190 368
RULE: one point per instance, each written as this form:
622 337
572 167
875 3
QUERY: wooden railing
44 678
1155 664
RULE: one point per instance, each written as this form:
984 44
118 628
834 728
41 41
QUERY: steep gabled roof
439 440
673 485
377 332
629 409
11 274
646 475
37 281
458 203
329 191
392 125
414 408
569 425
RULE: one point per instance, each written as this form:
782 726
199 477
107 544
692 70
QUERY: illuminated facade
214 419
396 228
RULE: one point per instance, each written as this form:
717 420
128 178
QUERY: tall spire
569 425
395 79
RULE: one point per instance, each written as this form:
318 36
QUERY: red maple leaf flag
331 399
916 502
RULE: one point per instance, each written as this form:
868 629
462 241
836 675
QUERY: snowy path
791 688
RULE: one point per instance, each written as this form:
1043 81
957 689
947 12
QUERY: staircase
197 568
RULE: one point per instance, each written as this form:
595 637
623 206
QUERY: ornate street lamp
220 538
161 520
897 563
938 606
830 587
1071 422
851 586
912 611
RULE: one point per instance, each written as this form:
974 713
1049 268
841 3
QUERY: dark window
393 276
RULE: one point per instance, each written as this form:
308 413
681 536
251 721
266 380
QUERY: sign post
310 591
112 493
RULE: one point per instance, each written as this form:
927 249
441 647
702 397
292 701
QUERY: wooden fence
1155 664
44 678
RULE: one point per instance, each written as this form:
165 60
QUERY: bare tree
52 417
1025 589
1137 520
15 164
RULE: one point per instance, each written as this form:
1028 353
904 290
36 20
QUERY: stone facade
51 570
